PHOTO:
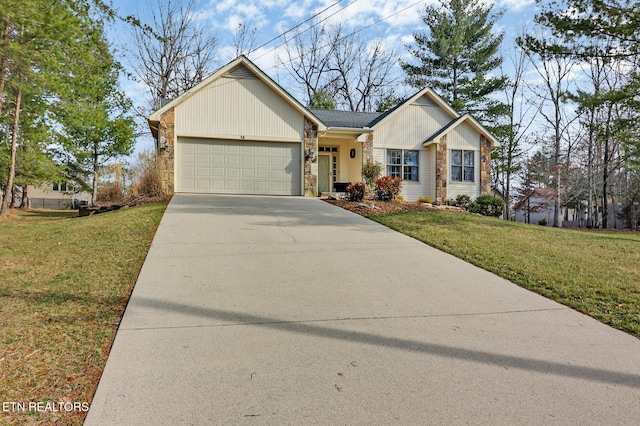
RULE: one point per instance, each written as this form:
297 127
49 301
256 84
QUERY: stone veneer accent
367 150
441 170
310 161
165 159
485 166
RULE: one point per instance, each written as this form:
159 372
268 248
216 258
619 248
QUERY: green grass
65 282
595 272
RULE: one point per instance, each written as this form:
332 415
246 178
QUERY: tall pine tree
94 114
41 45
458 55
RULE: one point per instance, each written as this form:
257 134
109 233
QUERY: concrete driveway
287 310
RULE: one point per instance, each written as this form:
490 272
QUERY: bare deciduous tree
244 38
555 73
178 57
354 73
308 60
520 117
363 71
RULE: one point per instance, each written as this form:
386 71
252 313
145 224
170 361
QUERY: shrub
355 191
424 200
462 201
387 188
543 221
487 205
370 172
150 184
110 192
400 198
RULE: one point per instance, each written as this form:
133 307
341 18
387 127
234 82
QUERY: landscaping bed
374 207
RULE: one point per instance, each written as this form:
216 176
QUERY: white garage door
238 167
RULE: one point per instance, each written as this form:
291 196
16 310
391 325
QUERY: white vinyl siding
411 191
242 108
238 167
407 130
464 137
410 127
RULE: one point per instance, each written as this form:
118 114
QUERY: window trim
402 164
462 166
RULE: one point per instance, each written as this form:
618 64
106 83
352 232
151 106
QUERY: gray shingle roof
336 118
453 122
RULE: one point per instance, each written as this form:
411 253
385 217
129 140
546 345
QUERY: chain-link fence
52 203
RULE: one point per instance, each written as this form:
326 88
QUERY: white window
462 165
403 164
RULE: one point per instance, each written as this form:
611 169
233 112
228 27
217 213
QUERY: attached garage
237 132
238 167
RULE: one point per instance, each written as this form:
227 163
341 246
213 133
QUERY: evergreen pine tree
458 55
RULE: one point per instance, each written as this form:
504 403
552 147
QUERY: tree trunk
605 186
590 176
558 140
14 197
25 202
4 209
94 188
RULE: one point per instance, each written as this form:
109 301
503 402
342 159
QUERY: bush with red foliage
387 188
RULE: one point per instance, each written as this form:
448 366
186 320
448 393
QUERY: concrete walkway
283 310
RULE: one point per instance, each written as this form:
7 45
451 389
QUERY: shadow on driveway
307 328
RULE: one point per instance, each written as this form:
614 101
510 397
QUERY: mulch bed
372 207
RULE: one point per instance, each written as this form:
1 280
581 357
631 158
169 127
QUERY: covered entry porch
343 149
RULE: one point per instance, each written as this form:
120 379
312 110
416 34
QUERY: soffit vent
240 72
424 101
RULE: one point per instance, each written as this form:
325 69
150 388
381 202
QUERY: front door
324 173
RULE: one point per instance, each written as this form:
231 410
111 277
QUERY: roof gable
239 68
415 99
466 118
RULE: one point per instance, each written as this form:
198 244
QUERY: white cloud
516 5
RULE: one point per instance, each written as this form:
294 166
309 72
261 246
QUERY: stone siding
165 162
441 170
310 159
485 166
367 149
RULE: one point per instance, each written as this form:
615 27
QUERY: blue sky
272 17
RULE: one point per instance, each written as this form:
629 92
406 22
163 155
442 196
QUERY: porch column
310 159
367 149
441 170
485 166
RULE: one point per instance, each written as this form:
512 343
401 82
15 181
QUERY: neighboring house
538 205
496 193
239 132
53 196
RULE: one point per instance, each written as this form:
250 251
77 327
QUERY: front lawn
65 282
595 272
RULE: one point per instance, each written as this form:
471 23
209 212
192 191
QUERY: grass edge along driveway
594 272
65 284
